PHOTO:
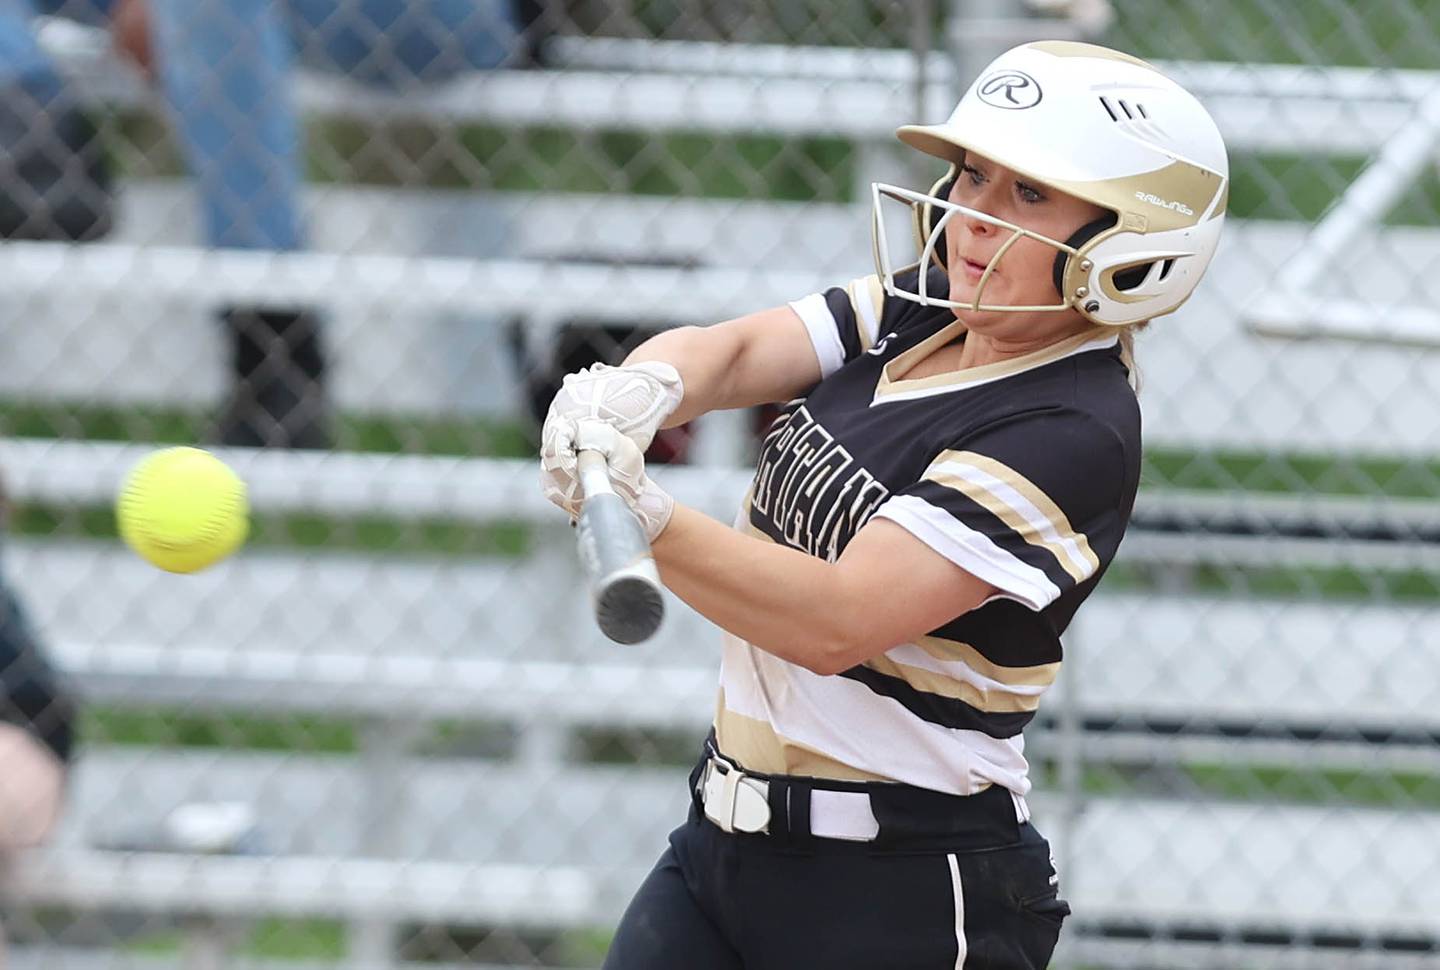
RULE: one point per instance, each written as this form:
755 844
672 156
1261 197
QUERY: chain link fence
354 244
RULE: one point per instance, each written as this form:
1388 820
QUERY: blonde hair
1127 350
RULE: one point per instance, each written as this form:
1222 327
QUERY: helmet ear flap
1077 239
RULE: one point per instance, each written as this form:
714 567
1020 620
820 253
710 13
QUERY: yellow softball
183 509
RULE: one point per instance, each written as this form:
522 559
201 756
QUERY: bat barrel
623 579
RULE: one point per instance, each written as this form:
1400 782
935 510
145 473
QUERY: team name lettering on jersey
810 488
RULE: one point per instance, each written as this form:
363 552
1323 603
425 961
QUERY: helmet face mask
1103 127
932 248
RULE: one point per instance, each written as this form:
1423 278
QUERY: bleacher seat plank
1246 659
608 819
1307 869
854 95
326 888
399 687
404 284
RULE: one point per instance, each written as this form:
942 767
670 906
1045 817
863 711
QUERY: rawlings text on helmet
1179 207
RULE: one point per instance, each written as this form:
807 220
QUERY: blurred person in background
227 70
37 723
54 184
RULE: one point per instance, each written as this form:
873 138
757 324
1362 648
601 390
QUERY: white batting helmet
1105 127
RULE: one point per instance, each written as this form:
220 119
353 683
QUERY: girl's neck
977 350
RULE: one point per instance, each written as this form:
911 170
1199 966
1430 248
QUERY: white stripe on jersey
824 332
1066 545
971 550
864 302
848 722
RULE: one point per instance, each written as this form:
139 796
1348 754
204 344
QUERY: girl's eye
1029 194
976 176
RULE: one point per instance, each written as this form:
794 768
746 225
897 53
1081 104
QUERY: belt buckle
723 814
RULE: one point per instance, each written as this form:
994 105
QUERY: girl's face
1024 276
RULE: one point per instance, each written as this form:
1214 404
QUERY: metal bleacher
573 863
422 646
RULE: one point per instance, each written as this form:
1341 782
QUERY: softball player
951 477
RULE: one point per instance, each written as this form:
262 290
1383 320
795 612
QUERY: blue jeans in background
227 69
54 183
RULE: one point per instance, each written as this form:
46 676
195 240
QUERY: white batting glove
651 504
635 398
560 480
559 470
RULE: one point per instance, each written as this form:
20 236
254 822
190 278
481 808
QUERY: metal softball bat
624 583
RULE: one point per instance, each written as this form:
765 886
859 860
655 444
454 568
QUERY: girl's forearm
785 602
705 360
759 358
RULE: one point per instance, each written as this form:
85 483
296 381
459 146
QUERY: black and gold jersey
1022 472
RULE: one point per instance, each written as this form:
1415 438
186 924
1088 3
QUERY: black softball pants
950 882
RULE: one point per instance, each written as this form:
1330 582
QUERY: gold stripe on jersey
943 685
893 381
1063 541
866 290
755 745
1040 675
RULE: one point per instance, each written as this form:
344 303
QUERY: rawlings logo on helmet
1179 207
1009 89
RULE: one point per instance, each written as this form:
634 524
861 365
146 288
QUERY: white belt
738 802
